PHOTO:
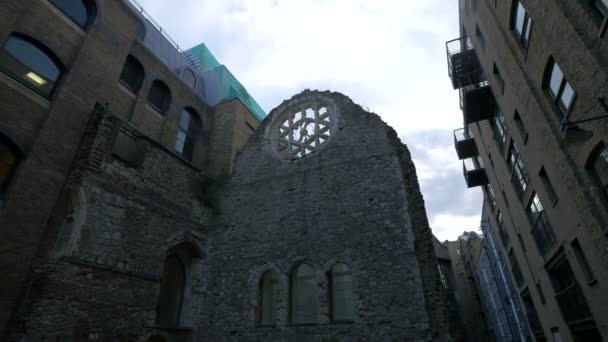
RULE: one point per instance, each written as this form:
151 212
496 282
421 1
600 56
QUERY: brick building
532 76
143 199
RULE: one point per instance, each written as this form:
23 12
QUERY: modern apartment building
533 83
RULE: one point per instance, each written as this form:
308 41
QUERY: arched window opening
141 31
132 75
304 299
171 296
599 167
82 12
189 132
267 299
189 77
159 96
31 63
10 156
341 293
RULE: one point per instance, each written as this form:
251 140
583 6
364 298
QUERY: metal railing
159 28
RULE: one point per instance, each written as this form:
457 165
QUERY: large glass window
9 158
342 306
171 296
267 299
304 299
159 96
500 129
517 275
599 167
519 172
502 231
559 88
30 63
522 24
132 75
541 229
189 132
568 294
82 12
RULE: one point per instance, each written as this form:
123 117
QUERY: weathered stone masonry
130 201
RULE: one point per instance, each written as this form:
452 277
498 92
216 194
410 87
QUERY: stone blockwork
356 201
102 279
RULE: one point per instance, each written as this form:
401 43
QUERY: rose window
302 132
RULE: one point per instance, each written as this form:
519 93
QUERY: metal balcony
463 65
474 172
477 102
465 145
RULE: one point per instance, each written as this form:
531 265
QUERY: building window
10 156
304 303
519 123
519 172
568 293
532 315
582 261
31 63
82 12
500 82
500 129
519 278
189 77
189 132
559 89
491 197
521 242
599 167
522 24
541 229
267 299
132 75
171 295
548 186
504 236
341 293
541 294
141 31
159 96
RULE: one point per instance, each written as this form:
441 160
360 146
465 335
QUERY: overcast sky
388 56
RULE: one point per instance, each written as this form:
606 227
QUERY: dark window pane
75 10
526 36
172 286
304 299
132 75
141 31
342 293
267 299
600 166
188 134
159 96
29 64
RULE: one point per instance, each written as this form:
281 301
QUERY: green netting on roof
220 83
202 57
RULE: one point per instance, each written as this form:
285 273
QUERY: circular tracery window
302 129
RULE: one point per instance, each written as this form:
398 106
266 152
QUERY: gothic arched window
171 295
267 299
304 303
189 77
341 293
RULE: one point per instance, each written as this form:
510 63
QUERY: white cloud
449 227
388 55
